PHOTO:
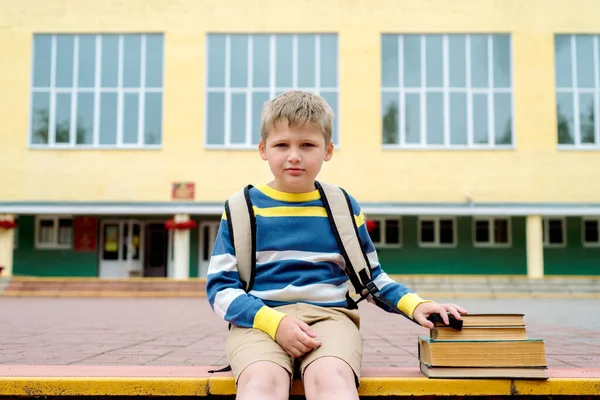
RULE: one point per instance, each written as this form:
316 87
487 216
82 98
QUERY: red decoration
171 225
85 236
6 224
371 225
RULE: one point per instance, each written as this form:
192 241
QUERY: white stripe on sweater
224 298
318 293
263 257
222 263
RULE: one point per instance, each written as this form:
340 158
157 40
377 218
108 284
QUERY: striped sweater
297 260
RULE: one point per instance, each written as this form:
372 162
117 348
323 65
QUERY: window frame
16 234
583 242
96 91
272 89
55 245
575 92
546 232
491 243
446 90
437 230
382 220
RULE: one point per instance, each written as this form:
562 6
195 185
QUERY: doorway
155 264
208 234
121 248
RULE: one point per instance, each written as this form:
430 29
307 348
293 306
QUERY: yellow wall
535 171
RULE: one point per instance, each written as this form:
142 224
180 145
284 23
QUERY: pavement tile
186 332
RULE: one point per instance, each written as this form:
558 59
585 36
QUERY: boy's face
295 156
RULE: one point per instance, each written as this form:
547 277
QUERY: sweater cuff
267 320
409 302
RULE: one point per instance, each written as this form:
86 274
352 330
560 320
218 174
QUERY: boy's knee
265 378
329 375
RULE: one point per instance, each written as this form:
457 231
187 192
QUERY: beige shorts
336 328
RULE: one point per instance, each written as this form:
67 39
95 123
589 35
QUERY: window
491 232
16 235
437 232
446 91
591 232
553 233
577 90
245 71
53 232
97 91
386 232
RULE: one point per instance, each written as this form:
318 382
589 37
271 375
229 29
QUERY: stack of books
488 346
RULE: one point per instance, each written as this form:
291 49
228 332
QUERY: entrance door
121 248
156 250
208 234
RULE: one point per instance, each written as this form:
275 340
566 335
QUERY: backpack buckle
372 288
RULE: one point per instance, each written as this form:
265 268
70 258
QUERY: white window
16 235
386 232
591 232
97 91
554 232
491 232
437 232
446 91
577 90
52 232
245 71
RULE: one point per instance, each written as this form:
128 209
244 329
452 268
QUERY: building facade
466 129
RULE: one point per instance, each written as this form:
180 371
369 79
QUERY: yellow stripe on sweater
296 212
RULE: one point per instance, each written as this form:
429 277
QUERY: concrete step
195 287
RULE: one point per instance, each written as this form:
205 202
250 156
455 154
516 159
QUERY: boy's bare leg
263 380
329 378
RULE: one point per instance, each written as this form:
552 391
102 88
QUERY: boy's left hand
424 310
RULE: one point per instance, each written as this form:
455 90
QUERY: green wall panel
573 259
29 261
194 242
462 259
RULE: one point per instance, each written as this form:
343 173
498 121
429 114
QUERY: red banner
85 235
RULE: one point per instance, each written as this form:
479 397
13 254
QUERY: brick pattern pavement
185 332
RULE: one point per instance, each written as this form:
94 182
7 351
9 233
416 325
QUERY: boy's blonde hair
299 109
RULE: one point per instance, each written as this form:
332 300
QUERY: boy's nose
294 156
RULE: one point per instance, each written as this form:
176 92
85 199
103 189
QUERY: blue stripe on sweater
279 274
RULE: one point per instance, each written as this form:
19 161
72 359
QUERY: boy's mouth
294 171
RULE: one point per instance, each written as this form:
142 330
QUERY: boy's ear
329 151
262 150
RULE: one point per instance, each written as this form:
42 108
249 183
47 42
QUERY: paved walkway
185 332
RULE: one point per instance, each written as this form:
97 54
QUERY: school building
467 129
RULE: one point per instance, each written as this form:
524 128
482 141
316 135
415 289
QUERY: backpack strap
341 218
358 268
242 232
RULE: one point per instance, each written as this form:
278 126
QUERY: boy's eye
308 145
281 145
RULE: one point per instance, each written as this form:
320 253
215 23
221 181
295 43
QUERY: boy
298 307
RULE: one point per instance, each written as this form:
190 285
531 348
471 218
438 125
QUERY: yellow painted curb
382 386
80 386
564 386
222 385
370 386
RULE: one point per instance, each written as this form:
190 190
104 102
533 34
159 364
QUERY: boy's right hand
295 337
